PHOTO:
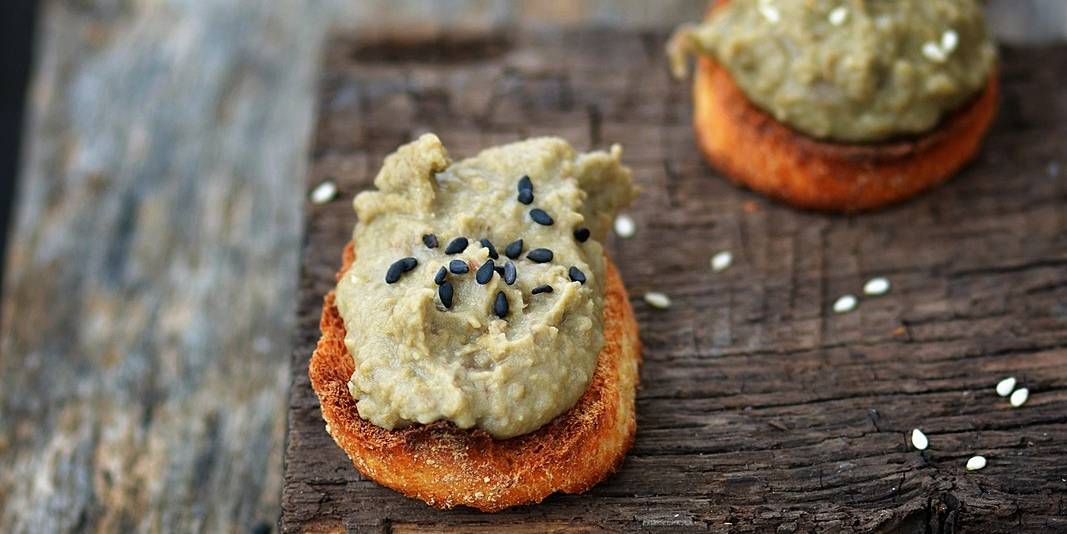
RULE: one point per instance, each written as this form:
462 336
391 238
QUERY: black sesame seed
510 274
526 196
500 305
458 266
576 275
485 272
429 240
540 216
445 292
525 184
439 278
541 289
492 250
514 249
499 270
457 245
581 234
399 267
540 255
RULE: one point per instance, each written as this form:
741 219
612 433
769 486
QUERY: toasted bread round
755 150
447 466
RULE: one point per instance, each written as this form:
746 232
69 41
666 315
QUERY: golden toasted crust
755 150
446 466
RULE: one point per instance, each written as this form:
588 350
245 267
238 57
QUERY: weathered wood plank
760 409
150 283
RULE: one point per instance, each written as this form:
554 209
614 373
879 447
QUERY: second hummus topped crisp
477 293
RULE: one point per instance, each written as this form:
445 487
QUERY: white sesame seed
1019 397
918 439
975 463
1006 386
876 286
949 40
658 300
625 227
722 261
325 192
770 13
934 53
838 15
845 304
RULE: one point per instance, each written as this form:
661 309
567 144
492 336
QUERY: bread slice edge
753 149
446 466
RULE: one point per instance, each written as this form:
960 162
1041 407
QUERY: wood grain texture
147 306
759 409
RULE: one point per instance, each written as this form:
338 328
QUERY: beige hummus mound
490 354
853 72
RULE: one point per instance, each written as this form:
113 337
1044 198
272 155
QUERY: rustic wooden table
150 280
760 409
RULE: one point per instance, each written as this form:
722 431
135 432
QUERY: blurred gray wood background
151 273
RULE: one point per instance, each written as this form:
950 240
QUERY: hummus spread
439 333
848 70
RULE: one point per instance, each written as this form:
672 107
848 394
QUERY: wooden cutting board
760 409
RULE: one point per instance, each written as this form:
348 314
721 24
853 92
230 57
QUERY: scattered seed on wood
325 192
430 240
541 217
722 261
500 305
625 227
845 304
1006 386
876 286
976 463
918 439
510 273
458 266
457 245
541 289
445 293
581 234
514 249
658 300
442 273
539 255
398 268
1018 398
485 272
489 245
576 275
